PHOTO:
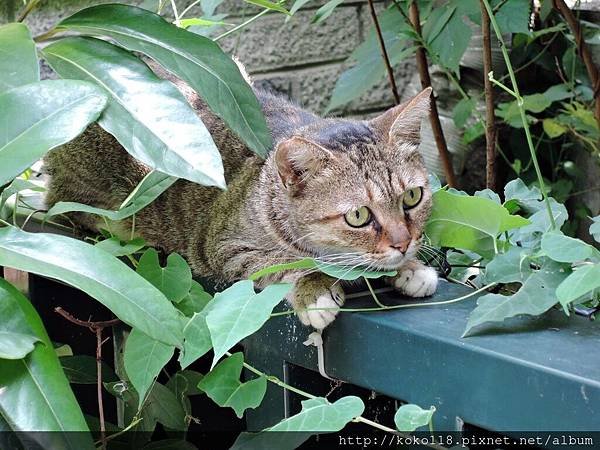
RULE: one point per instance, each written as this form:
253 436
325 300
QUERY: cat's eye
412 197
358 217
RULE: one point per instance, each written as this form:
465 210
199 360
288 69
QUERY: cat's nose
402 246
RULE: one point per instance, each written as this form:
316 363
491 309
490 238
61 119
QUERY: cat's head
358 191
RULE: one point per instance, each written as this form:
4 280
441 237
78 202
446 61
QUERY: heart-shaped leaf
222 384
238 311
174 280
410 417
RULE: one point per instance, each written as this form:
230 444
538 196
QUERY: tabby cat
352 192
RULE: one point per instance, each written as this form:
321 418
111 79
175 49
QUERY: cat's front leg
317 291
415 279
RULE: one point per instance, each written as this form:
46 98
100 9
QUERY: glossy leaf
238 311
17 339
318 415
149 117
148 190
82 369
133 299
35 392
57 111
194 58
144 358
19 63
174 280
582 281
222 384
563 248
466 222
410 417
536 296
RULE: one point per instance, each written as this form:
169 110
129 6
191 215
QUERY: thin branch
490 126
96 328
30 7
583 50
384 53
434 117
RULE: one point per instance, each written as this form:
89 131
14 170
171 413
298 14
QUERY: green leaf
144 358
82 369
351 273
222 384
117 247
470 223
149 117
410 417
370 67
473 132
164 407
194 58
174 280
19 64
149 189
536 296
513 16
199 22
16 337
297 5
35 392
553 128
582 281
511 266
269 5
57 111
197 340
436 22
326 10
305 263
238 311
595 228
566 249
133 299
194 301
462 111
451 42
318 415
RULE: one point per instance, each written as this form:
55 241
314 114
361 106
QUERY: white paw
320 318
418 281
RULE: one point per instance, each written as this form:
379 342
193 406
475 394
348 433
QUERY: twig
490 126
96 328
584 51
434 117
384 53
30 6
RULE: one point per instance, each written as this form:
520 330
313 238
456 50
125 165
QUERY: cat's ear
297 159
403 122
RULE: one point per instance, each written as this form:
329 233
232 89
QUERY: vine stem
373 293
385 308
241 25
519 99
490 126
384 53
30 7
434 117
278 382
